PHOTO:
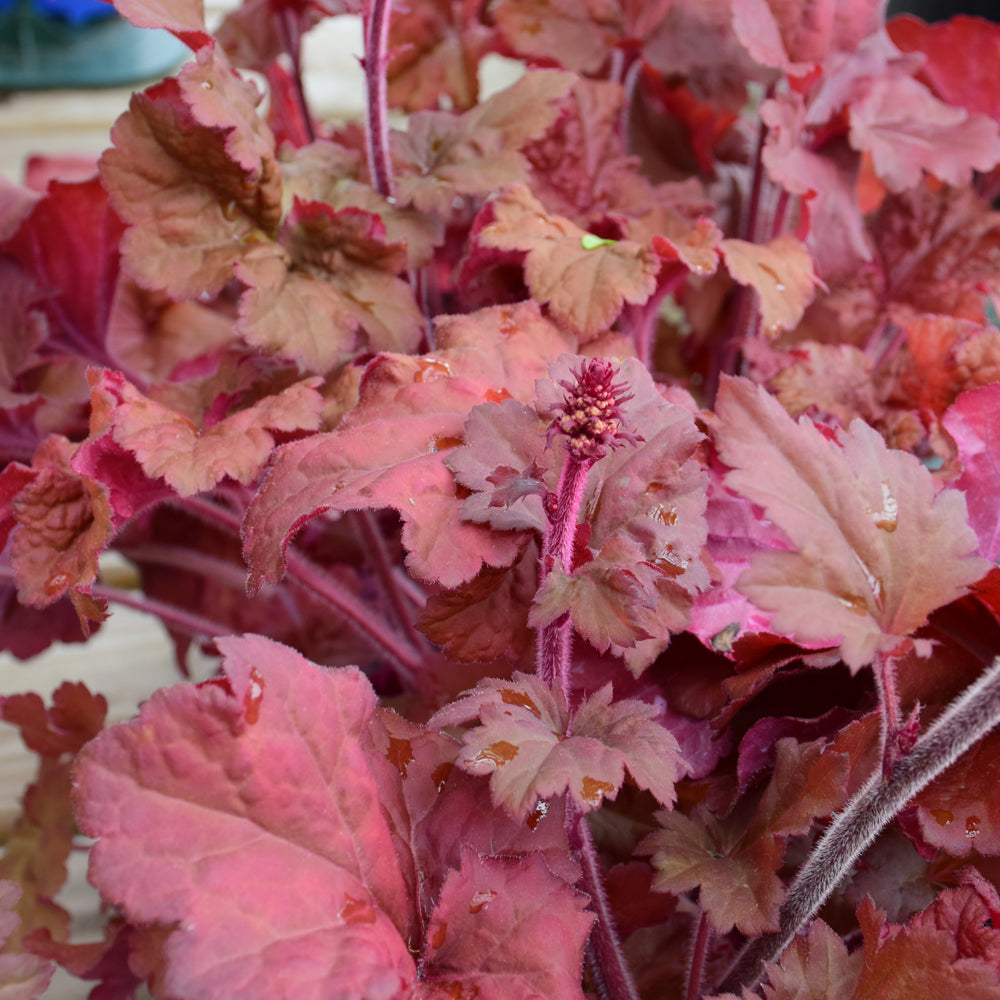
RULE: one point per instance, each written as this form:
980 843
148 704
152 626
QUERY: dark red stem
291 42
605 956
696 957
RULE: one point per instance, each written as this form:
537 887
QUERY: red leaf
185 18
269 891
815 966
192 459
442 155
505 929
781 272
948 950
795 37
877 549
333 275
389 451
436 50
974 423
959 811
956 53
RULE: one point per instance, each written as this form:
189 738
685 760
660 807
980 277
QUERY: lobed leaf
244 814
583 288
192 459
878 548
505 929
525 743
193 171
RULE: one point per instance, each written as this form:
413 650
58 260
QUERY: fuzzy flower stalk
592 421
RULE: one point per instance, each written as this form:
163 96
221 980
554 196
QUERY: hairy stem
967 719
604 952
555 638
377 119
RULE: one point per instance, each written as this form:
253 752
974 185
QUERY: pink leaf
522 744
193 459
389 451
878 548
505 929
244 811
974 422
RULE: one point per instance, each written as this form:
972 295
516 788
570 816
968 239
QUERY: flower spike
591 412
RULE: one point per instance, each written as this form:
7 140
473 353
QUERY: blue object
78 43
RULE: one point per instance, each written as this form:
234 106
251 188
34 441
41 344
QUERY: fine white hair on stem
967 719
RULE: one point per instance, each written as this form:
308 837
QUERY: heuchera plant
590 491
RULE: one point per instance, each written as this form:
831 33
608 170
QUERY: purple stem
377 119
696 957
405 658
291 42
555 638
173 617
965 721
379 558
605 956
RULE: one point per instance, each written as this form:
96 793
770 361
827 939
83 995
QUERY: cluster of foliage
590 491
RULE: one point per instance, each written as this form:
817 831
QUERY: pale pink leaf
878 546
244 814
974 423
505 928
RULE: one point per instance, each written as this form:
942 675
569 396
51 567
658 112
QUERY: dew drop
593 790
431 369
443 442
664 515
511 696
481 900
537 814
439 776
57 583
400 753
206 85
942 816
357 911
253 697
230 211
972 829
856 605
496 396
886 517
498 754
391 199
779 286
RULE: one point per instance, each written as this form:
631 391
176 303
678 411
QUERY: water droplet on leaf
481 900
972 829
57 583
498 754
253 697
400 753
942 816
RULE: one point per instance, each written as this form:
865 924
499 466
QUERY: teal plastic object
42 47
